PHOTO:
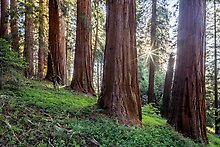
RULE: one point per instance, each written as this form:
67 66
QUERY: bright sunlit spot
148 54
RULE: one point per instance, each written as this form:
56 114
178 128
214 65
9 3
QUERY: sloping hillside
36 114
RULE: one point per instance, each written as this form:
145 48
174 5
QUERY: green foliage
214 140
150 110
158 86
10 64
38 115
210 86
151 116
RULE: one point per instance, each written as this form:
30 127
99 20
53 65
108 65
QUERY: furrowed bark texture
188 114
82 76
120 90
29 39
56 71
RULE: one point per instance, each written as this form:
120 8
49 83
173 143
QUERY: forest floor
36 114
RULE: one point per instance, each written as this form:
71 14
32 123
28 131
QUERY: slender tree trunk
4 18
29 39
96 36
167 87
82 76
98 79
120 95
14 26
188 113
217 119
152 62
40 74
56 67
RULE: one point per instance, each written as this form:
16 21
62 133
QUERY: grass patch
38 115
214 140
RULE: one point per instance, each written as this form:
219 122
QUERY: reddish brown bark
152 63
56 70
40 74
82 77
29 39
167 87
188 114
120 90
14 26
4 18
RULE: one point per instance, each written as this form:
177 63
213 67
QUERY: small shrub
150 110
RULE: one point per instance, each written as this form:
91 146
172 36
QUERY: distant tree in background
14 26
153 47
42 46
146 52
29 39
56 66
212 64
82 76
120 90
188 113
98 21
217 119
167 87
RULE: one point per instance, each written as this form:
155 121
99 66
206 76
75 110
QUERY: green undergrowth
36 114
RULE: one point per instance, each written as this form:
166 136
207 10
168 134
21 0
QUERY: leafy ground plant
38 115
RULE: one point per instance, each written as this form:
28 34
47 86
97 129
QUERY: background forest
109 73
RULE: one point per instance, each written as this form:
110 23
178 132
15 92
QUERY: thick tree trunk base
120 95
82 76
77 87
126 111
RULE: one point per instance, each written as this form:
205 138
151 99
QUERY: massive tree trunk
14 26
82 76
152 62
217 119
4 18
120 90
56 70
188 114
29 39
167 87
40 74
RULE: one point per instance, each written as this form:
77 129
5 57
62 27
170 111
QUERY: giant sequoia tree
82 77
120 90
188 114
29 39
56 70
